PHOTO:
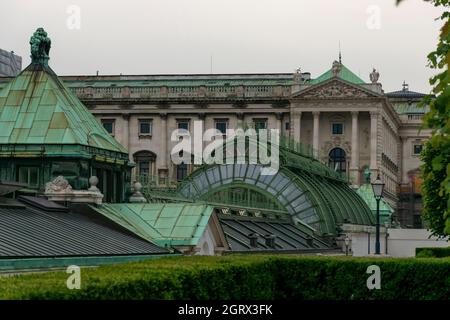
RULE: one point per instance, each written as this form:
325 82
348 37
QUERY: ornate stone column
354 163
297 125
373 142
316 115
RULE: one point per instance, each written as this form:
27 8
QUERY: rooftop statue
297 75
40 47
336 68
374 76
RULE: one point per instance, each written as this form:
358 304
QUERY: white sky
243 36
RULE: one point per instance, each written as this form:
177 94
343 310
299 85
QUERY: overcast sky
242 36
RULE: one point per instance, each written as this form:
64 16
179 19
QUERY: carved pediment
335 89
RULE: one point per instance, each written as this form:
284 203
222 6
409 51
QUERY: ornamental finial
40 47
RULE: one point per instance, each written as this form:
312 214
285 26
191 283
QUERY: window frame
414 144
260 120
338 123
227 122
145 120
113 125
188 121
28 173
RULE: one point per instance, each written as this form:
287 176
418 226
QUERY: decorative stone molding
201 115
240 115
202 104
279 115
163 115
336 89
59 184
59 190
336 142
280 104
239 104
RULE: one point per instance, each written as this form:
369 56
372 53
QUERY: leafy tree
436 153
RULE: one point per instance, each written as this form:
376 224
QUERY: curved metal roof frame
310 191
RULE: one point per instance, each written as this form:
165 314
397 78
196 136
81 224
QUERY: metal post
377 240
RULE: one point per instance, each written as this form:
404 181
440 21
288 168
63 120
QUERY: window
417 149
108 124
337 160
145 163
183 124
29 175
260 124
337 128
288 126
182 171
222 125
145 127
144 168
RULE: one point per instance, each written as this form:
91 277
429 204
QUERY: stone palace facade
350 124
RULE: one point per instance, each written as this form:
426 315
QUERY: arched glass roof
307 189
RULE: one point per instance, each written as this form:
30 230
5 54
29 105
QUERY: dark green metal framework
309 191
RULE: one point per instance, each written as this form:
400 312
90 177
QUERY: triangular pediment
335 88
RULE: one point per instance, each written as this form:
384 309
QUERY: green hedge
433 252
242 277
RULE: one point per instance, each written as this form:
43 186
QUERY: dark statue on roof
40 47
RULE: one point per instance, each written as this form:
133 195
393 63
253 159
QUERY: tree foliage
436 154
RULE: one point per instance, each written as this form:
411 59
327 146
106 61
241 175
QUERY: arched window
337 160
145 163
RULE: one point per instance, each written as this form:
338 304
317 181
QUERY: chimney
270 240
253 240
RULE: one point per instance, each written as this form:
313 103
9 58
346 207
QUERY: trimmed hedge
242 277
433 252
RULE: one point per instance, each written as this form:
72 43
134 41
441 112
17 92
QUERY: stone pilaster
354 162
163 164
316 115
297 125
374 132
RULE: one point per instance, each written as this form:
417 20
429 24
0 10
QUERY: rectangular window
145 127
182 171
288 126
222 125
417 149
260 124
29 175
337 128
183 124
108 124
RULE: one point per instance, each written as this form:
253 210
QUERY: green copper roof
366 192
165 224
344 73
37 108
410 108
